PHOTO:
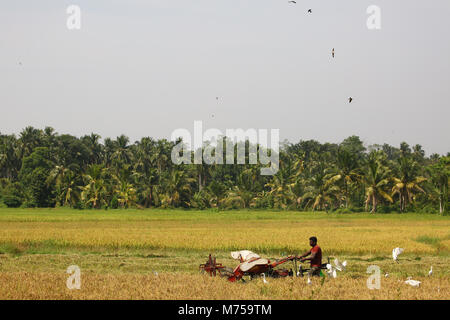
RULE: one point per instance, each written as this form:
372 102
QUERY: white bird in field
430 273
155 273
396 252
386 275
309 282
329 270
413 283
340 266
334 273
264 279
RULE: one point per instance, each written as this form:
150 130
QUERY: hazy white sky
148 67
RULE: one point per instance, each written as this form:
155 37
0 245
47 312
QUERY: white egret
430 273
309 281
264 279
413 283
340 266
396 252
329 270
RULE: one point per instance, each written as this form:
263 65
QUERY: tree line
41 168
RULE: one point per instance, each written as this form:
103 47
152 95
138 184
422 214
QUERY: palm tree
178 188
407 183
94 193
125 191
145 171
93 144
346 172
65 183
282 184
121 154
322 190
10 158
439 180
376 180
217 190
30 138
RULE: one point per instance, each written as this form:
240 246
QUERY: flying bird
309 11
396 252
295 2
430 273
332 53
350 99
340 266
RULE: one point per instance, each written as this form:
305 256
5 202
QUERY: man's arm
305 254
313 255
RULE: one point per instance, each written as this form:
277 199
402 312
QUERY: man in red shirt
315 259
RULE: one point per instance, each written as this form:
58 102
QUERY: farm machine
252 265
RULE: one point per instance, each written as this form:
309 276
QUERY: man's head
312 241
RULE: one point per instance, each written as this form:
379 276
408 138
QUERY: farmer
316 257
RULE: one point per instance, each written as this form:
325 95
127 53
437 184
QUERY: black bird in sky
332 53
309 11
350 100
292 2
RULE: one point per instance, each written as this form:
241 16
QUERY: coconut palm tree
178 188
282 184
346 172
65 181
95 192
122 153
407 182
376 180
10 158
322 190
439 174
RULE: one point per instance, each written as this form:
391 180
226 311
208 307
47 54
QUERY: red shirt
317 261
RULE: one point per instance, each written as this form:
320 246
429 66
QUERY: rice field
120 252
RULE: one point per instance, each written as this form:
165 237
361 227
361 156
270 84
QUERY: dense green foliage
43 169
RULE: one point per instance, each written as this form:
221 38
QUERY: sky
149 67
